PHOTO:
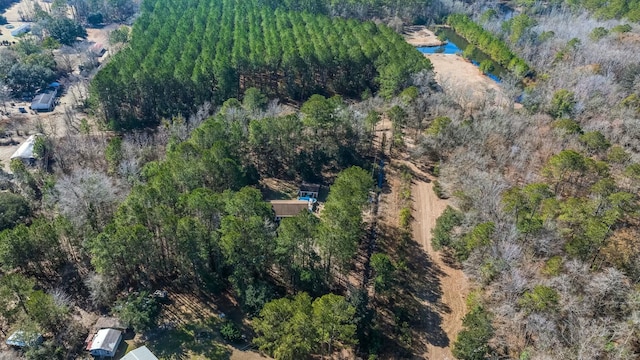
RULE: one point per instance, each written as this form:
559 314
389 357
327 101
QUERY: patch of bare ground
455 74
101 35
410 313
420 36
468 86
631 38
430 293
237 354
189 329
278 189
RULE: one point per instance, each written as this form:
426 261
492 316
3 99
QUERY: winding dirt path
427 207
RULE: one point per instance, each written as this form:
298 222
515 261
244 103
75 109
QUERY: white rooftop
141 353
106 339
25 151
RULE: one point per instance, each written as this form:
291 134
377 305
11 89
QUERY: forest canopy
184 53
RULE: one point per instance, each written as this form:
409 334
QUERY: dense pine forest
185 53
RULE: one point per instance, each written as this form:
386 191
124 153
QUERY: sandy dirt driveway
427 207
454 283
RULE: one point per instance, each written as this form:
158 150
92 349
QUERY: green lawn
193 341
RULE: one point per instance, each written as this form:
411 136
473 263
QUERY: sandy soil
23 10
101 36
465 82
245 355
454 284
420 36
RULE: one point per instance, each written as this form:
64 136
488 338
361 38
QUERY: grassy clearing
193 341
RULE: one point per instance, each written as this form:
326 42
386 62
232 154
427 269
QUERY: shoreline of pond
454 44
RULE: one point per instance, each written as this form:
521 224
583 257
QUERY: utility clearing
449 285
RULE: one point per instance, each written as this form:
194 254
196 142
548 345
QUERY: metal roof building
106 343
22 29
44 101
141 353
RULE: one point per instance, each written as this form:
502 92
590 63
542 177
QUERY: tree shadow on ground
411 310
191 324
187 340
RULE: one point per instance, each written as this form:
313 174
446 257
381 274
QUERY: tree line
615 9
488 43
184 53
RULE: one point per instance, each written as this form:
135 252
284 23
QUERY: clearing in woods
465 82
453 284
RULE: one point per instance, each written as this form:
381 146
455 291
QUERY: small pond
456 45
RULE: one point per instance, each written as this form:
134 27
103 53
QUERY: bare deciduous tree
88 197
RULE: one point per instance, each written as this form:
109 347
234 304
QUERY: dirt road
427 208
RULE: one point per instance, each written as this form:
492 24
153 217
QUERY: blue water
448 48
452 48
491 76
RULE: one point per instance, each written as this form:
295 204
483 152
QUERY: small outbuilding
22 29
141 353
308 190
22 339
105 343
25 151
289 208
44 101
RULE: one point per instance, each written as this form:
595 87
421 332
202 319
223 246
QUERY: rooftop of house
44 99
106 339
141 353
288 208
